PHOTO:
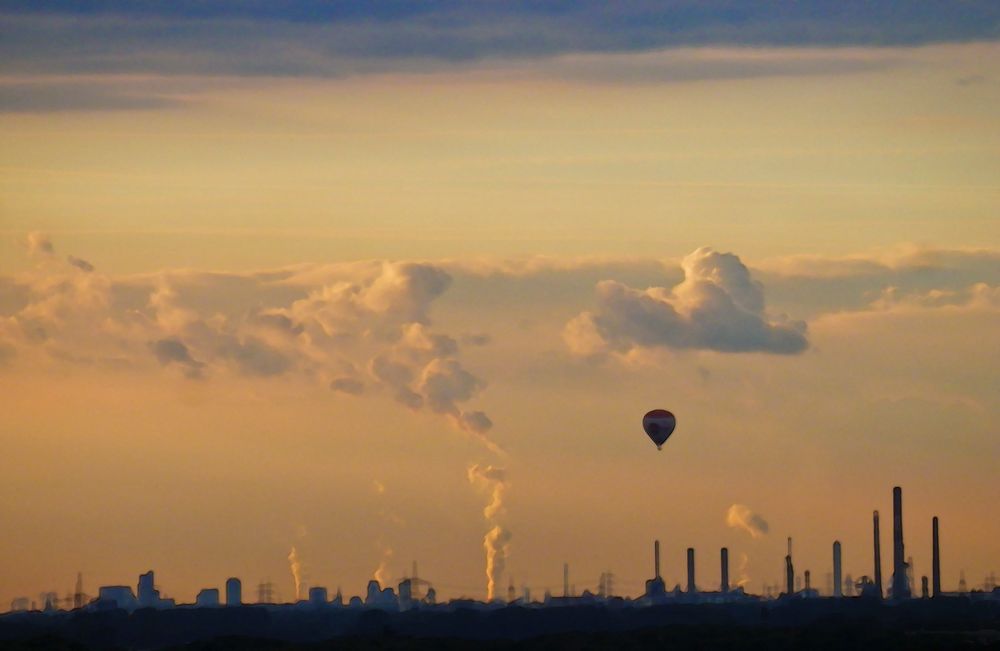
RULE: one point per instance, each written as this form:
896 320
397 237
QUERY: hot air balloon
659 425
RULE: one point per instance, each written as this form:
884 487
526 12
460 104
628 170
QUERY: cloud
475 421
971 80
900 259
686 64
422 370
477 339
371 328
718 306
218 339
405 290
254 357
740 516
399 377
379 300
278 322
366 326
816 285
348 38
59 96
80 264
444 382
39 244
173 351
979 295
348 385
7 353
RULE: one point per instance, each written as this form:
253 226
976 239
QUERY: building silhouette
234 592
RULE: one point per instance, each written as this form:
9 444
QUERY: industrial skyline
413 590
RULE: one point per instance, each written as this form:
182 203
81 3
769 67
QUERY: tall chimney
936 560
725 569
78 591
789 571
808 581
837 582
878 555
565 579
691 588
656 559
900 585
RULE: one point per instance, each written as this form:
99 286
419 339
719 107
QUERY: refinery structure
414 592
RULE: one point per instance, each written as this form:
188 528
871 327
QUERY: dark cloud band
348 38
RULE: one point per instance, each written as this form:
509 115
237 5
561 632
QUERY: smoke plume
496 542
296 568
390 520
381 573
739 516
744 576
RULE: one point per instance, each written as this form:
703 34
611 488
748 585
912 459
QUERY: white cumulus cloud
718 306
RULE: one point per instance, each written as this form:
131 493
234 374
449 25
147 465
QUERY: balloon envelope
659 425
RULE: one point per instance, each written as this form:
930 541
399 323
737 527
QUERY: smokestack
78 592
565 579
789 576
725 569
656 559
924 592
936 561
808 582
900 586
878 555
837 583
691 588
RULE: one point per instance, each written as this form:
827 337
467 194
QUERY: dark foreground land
820 624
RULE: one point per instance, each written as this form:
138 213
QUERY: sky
398 282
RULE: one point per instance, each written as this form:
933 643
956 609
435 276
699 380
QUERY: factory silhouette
143 618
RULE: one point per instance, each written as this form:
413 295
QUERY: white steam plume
496 542
296 567
739 516
381 573
389 519
744 576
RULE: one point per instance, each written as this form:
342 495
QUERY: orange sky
204 359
